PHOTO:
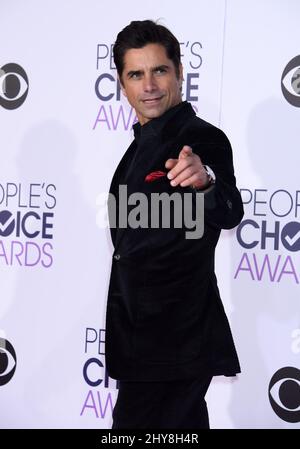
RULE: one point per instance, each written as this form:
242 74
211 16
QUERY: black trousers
162 405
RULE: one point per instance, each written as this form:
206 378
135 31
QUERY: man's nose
149 83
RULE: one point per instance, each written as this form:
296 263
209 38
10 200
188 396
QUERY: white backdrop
64 128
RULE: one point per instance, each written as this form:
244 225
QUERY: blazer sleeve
223 207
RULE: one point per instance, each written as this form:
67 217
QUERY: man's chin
151 113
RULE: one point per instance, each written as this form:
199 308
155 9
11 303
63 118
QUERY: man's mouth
151 101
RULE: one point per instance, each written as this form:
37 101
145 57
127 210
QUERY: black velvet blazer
165 319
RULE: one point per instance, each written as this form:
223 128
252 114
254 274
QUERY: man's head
147 57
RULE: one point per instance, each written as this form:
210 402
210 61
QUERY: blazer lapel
118 178
135 181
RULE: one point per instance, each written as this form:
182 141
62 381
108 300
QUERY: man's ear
181 73
122 87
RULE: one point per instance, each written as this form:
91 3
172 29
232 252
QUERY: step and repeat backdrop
65 125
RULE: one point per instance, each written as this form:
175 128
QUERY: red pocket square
154 175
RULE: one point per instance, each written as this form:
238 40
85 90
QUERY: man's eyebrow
153 69
160 67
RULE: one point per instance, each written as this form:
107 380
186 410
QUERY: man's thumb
170 163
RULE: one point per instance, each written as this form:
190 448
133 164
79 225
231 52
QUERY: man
166 330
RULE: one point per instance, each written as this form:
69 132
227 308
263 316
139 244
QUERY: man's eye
135 75
160 70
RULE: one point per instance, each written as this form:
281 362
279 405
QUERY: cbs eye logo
290 82
284 394
13 86
8 361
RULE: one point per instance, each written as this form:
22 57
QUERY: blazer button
117 256
229 204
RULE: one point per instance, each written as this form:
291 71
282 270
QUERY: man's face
150 82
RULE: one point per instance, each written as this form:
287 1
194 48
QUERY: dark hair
140 33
